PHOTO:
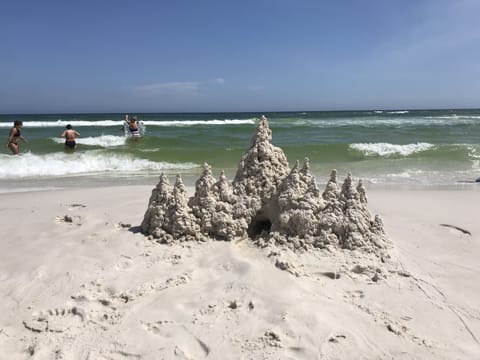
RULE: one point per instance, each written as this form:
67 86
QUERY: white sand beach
240 180
79 281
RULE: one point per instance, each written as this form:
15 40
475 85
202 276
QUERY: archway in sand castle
260 223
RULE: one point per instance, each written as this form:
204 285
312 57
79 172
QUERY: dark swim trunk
70 144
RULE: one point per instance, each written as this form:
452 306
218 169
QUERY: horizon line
241 112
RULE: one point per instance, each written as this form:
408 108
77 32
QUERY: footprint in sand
122 225
338 344
102 305
174 259
75 206
125 264
356 294
271 338
333 275
103 311
68 219
178 339
336 338
55 320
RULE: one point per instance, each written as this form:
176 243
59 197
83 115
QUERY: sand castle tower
266 202
259 175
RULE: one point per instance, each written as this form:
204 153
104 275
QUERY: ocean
385 148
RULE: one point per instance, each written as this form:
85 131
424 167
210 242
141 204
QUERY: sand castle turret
202 203
299 203
155 215
266 202
262 167
168 216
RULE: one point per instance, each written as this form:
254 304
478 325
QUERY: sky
250 55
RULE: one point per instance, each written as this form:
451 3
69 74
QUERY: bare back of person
70 135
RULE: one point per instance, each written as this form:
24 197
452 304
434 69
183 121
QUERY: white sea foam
455 117
63 123
472 152
422 178
90 162
398 112
103 141
386 149
200 122
106 123
407 176
369 122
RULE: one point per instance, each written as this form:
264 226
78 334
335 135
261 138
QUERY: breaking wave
103 141
90 162
107 123
386 149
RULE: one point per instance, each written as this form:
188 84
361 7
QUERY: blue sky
225 55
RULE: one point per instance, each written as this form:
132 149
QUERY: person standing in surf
132 124
70 135
13 137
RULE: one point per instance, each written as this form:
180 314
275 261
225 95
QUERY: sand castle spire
262 167
206 180
306 166
179 222
262 133
348 190
223 189
332 189
155 214
362 193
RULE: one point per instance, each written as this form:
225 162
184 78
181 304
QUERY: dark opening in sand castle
267 202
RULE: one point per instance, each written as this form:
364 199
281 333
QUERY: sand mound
269 203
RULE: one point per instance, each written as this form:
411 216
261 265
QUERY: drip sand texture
267 202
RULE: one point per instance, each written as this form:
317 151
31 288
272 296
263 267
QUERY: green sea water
383 147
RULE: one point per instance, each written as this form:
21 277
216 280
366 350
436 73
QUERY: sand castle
267 202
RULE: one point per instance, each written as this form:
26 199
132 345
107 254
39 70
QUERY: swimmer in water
70 135
13 137
132 124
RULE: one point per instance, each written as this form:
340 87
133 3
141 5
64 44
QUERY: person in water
132 124
13 137
70 135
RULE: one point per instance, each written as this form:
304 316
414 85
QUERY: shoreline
189 179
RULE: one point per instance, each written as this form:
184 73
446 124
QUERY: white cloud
220 81
171 88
